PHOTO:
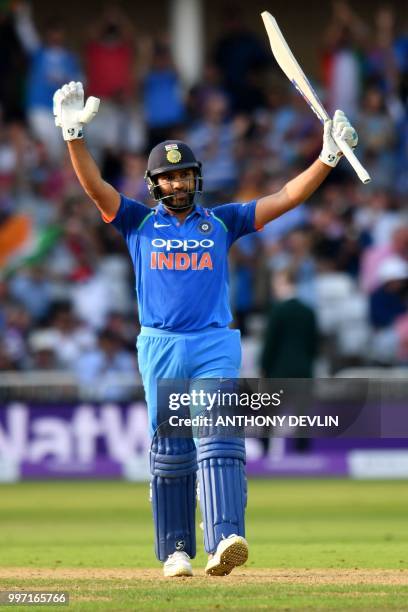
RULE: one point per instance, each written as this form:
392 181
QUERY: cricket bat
295 74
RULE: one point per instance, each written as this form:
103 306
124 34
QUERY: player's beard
179 201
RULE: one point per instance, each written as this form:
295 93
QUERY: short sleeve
130 215
238 219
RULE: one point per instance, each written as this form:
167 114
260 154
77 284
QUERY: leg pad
173 465
223 490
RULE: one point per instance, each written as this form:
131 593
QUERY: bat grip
357 166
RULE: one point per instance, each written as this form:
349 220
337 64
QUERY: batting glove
69 110
339 127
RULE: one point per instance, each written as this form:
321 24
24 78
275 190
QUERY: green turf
290 524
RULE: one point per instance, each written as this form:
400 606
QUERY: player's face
178 184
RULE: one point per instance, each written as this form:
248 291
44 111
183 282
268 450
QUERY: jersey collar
197 210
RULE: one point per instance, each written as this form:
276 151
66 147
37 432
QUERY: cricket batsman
179 252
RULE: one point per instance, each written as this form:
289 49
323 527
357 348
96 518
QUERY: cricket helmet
168 156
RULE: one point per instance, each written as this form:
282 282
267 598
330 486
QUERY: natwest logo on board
29 433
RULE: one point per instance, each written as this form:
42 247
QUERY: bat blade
295 74
290 66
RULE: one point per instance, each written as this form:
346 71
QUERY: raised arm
70 115
25 28
302 186
291 195
106 198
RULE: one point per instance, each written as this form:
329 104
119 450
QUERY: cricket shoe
230 553
177 564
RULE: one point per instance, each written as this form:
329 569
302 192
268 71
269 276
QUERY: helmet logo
173 156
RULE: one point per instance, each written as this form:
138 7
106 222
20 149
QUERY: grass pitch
314 545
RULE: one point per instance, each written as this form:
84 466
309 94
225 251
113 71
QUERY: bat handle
357 166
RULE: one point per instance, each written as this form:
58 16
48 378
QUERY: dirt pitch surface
256 576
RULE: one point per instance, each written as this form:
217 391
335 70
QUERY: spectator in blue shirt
162 97
51 65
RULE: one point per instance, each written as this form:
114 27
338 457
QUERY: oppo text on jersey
185 245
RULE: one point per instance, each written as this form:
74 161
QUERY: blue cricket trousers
209 353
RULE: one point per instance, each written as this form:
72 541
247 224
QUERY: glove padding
69 110
340 127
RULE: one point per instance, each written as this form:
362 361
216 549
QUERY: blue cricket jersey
181 269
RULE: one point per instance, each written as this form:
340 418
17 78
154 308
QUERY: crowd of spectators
66 288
